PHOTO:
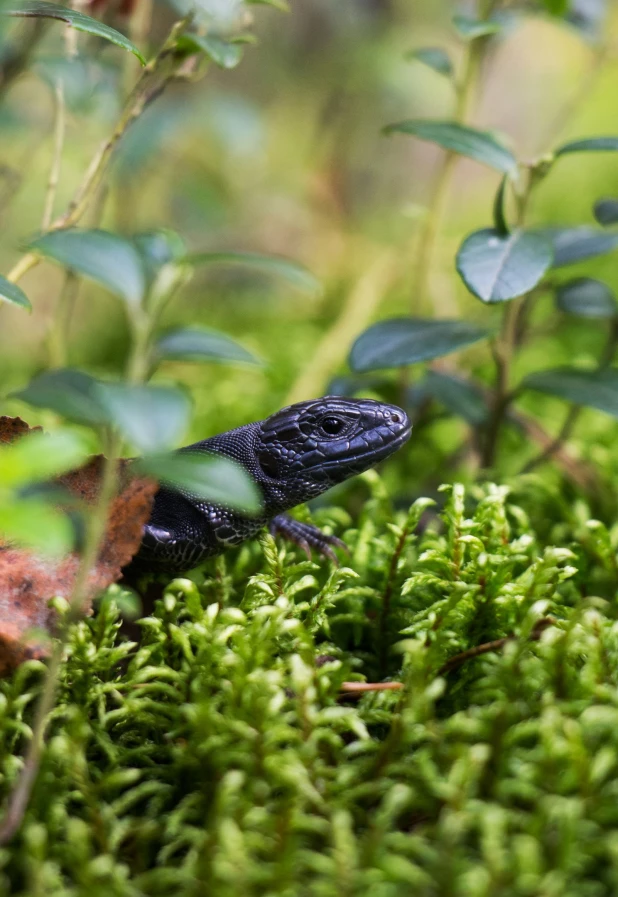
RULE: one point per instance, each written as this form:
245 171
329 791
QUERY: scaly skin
294 455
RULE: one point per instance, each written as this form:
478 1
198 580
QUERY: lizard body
293 456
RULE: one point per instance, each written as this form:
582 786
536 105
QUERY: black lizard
294 455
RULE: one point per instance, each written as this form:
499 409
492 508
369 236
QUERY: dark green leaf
593 389
103 257
458 395
500 222
151 418
434 57
589 145
469 28
10 292
479 145
72 394
606 211
294 273
587 298
205 478
402 341
224 54
497 268
191 344
574 244
77 20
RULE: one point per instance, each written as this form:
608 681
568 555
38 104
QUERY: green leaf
586 297
458 395
72 394
292 272
401 341
158 248
479 145
77 20
226 55
98 255
575 244
589 145
10 292
469 28
151 418
434 57
206 478
556 7
38 456
34 524
593 389
191 344
606 211
497 268
281 5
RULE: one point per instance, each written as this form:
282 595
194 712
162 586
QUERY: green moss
218 756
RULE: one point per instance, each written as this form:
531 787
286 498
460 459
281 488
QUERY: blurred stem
575 411
95 529
17 56
355 315
61 322
502 351
139 30
156 75
54 172
96 525
466 88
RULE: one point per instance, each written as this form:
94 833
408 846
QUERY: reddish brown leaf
11 428
28 582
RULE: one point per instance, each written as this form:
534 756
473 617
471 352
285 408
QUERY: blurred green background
285 155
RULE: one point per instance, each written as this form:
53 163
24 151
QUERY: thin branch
20 796
358 689
574 412
155 77
496 645
54 172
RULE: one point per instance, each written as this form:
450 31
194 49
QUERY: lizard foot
306 536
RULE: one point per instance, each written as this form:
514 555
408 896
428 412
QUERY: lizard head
311 446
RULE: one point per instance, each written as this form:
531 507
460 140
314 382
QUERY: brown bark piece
28 581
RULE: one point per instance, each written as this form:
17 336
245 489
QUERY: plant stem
355 314
57 341
502 350
574 411
54 172
96 523
426 247
155 77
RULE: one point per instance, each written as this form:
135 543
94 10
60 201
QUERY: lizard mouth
368 459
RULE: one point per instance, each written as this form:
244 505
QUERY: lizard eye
332 425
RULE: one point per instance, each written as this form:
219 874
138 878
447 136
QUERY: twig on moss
496 645
361 688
